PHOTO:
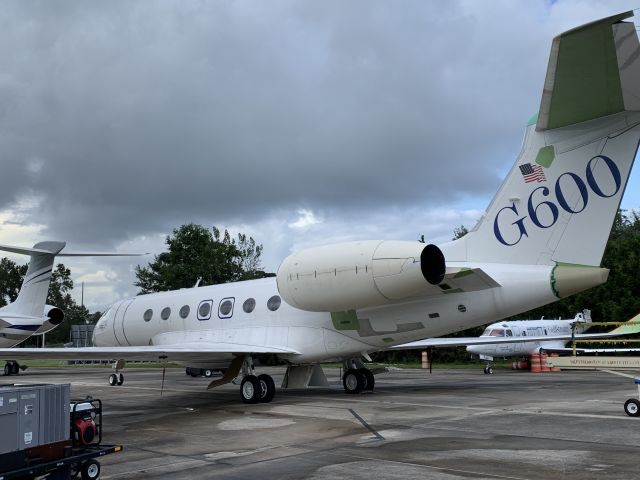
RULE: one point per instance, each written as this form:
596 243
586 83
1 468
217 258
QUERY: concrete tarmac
452 424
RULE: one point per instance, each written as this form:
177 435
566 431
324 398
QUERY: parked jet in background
29 315
541 238
519 329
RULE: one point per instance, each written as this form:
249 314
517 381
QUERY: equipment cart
45 434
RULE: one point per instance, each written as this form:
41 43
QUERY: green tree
11 275
195 252
459 232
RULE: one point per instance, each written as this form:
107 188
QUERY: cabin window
225 309
184 311
165 313
434 315
273 303
148 315
248 305
204 310
524 333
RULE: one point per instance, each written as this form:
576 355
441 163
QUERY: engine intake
359 274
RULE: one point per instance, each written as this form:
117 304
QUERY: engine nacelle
53 317
354 275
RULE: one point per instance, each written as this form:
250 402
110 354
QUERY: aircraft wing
188 352
466 341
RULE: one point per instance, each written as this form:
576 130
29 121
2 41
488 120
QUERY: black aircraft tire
353 381
369 379
120 379
632 407
267 388
113 380
7 369
250 389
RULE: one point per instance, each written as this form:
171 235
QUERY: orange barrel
555 369
543 362
425 360
535 363
524 364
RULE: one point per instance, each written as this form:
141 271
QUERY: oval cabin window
184 311
148 315
273 303
248 305
165 313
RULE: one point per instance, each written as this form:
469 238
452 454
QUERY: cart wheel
632 407
90 470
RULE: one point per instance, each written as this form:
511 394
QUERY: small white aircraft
528 328
29 315
541 238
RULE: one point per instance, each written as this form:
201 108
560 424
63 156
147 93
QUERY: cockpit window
509 333
497 332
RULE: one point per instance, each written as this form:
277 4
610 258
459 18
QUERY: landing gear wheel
250 389
120 379
488 370
369 380
7 369
15 368
632 407
90 470
113 380
208 373
353 381
267 388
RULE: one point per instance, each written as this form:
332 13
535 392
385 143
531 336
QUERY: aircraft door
118 323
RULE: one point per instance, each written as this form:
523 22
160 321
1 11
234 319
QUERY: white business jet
541 238
29 315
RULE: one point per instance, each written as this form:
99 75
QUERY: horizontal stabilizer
592 73
55 248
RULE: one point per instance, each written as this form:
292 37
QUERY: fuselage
222 313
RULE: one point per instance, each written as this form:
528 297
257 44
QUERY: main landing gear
13 368
488 369
357 378
256 388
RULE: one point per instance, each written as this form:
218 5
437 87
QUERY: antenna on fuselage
197 282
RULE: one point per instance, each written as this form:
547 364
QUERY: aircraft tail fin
559 200
35 286
32 298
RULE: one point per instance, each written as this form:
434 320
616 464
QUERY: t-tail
29 314
560 198
35 286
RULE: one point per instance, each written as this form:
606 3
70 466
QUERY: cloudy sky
297 122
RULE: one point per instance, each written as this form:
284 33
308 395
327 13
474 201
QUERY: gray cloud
129 118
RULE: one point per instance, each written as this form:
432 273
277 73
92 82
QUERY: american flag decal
532 173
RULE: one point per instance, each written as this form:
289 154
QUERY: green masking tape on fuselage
345 320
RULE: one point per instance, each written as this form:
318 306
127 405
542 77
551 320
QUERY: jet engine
354 275
53 317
